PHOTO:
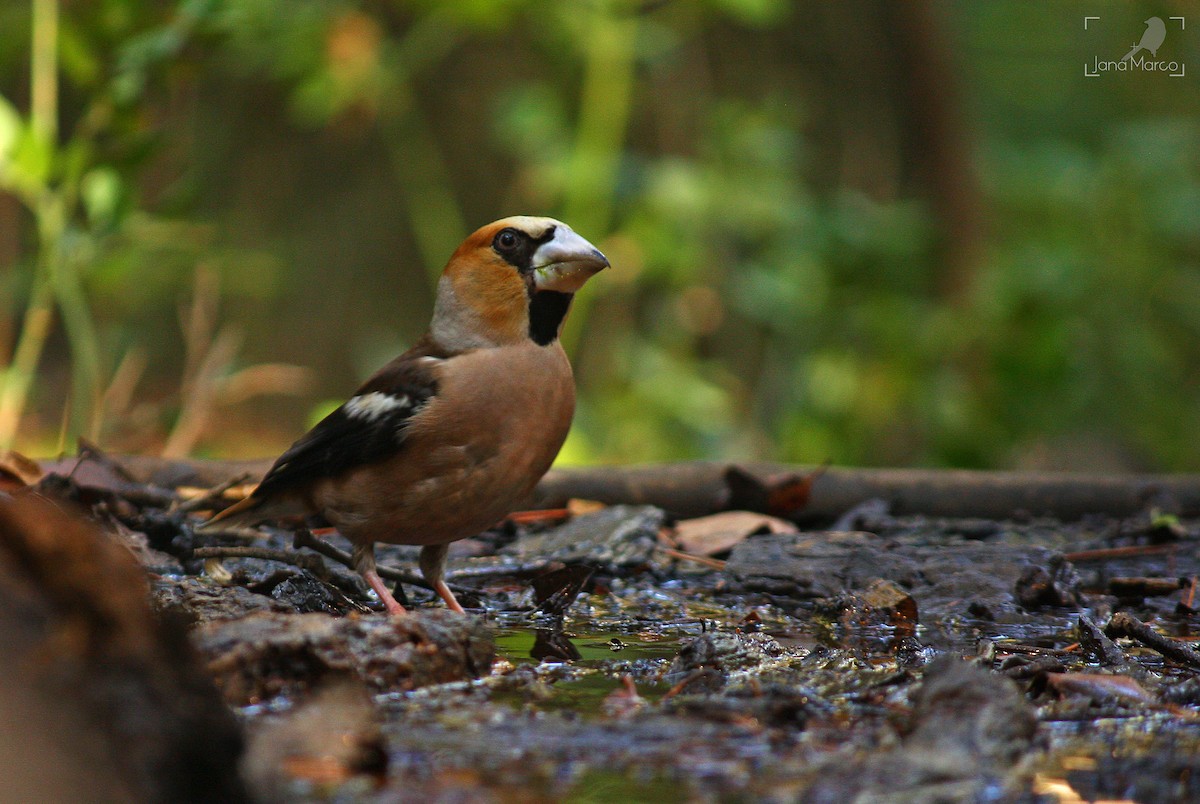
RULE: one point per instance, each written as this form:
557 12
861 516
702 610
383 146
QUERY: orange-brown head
511 280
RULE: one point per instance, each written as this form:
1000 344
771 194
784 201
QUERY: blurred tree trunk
895 124
938 139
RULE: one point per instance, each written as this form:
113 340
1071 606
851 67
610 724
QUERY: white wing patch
370 407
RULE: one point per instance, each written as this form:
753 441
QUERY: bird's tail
241 513
251 511
1132 53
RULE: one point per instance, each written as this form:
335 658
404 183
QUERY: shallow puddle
596 648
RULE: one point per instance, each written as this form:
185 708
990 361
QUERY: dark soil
906 659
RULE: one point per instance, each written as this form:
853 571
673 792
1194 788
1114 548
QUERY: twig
1125 624
303 538
1105 553
545 515
690 678
528 569
1005 646
213 495
306 562
1144 587
715 563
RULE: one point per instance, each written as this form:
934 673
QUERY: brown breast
478 448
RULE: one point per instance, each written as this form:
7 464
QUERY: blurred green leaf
101 191
11 127
29 163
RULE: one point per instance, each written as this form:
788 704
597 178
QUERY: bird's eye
507 240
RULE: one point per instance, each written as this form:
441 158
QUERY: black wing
368 427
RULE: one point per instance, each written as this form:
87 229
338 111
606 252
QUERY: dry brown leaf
779 495
578 507
17 471
717 533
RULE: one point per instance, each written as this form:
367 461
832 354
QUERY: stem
81 335
43 68
53 212
605 103
43 121
14 390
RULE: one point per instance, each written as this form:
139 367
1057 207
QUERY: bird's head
510 280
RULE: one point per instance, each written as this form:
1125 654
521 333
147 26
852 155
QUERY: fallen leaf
17 471
719 533
578 507
781 495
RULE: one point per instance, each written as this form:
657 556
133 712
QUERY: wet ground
619 654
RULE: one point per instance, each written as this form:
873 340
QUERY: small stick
715 563
1003 646
1125 624
213 495
547 515
265 554
695 675
1105 553
304 538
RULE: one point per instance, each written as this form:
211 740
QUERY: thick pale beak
566 262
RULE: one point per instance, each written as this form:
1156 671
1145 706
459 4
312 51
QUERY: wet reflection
554 592
552 645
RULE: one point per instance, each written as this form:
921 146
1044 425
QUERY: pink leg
433 564
389 602
364 562
448 596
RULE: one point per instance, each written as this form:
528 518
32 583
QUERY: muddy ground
620 653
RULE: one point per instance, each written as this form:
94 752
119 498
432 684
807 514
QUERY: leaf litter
913 657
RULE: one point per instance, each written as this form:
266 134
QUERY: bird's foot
445 594
385 596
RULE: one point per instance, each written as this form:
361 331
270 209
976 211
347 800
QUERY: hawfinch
442 442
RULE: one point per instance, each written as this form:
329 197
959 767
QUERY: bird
444 440
1152 39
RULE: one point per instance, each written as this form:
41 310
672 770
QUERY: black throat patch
547 309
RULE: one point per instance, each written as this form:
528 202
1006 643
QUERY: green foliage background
870 232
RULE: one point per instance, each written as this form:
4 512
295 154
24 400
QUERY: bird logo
1152 39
